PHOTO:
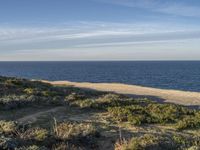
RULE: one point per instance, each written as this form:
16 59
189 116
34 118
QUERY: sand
170 96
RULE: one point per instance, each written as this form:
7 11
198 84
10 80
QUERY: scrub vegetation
40 116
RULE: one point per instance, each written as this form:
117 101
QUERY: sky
70 30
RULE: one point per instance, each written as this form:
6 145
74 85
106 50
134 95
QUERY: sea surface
180 75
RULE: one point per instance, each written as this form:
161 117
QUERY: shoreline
186 98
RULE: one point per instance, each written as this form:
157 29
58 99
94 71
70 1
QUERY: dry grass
68 130
7 126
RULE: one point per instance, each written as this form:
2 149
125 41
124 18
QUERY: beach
161 95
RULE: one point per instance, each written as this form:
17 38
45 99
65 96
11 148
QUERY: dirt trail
33 117
171 96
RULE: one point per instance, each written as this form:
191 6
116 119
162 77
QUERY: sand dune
171 96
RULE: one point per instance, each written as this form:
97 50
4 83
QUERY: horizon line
90 60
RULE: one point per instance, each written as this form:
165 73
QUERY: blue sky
99 30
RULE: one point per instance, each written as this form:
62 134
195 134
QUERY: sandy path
33 117
171 96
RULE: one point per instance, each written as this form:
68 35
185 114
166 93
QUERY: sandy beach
161 95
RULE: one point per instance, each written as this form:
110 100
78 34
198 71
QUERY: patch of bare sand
162 95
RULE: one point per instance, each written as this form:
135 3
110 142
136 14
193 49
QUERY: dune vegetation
40 116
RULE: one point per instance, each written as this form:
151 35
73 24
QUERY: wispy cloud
173 7
92 34
90 40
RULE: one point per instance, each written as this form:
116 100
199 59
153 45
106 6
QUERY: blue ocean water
181 75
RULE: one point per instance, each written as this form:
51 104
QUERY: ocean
179 75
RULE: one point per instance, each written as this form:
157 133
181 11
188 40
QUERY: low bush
29 91
37 134
189 122
151 113
76 134
86 103
101 102
7 143
167 113
70 135
145 142
68 130
15 101
7 126
179 140
106 101
135 114
158 142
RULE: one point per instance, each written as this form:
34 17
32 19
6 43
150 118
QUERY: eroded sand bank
171 96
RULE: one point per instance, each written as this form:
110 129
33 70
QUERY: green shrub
158 142
120 113
16 101
134 114
152 113
108 100
101 103
145 142
29 91
86 103
37 134
12 81
73 96
137 119
194 148
166 113
189 122
52 93
180 140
